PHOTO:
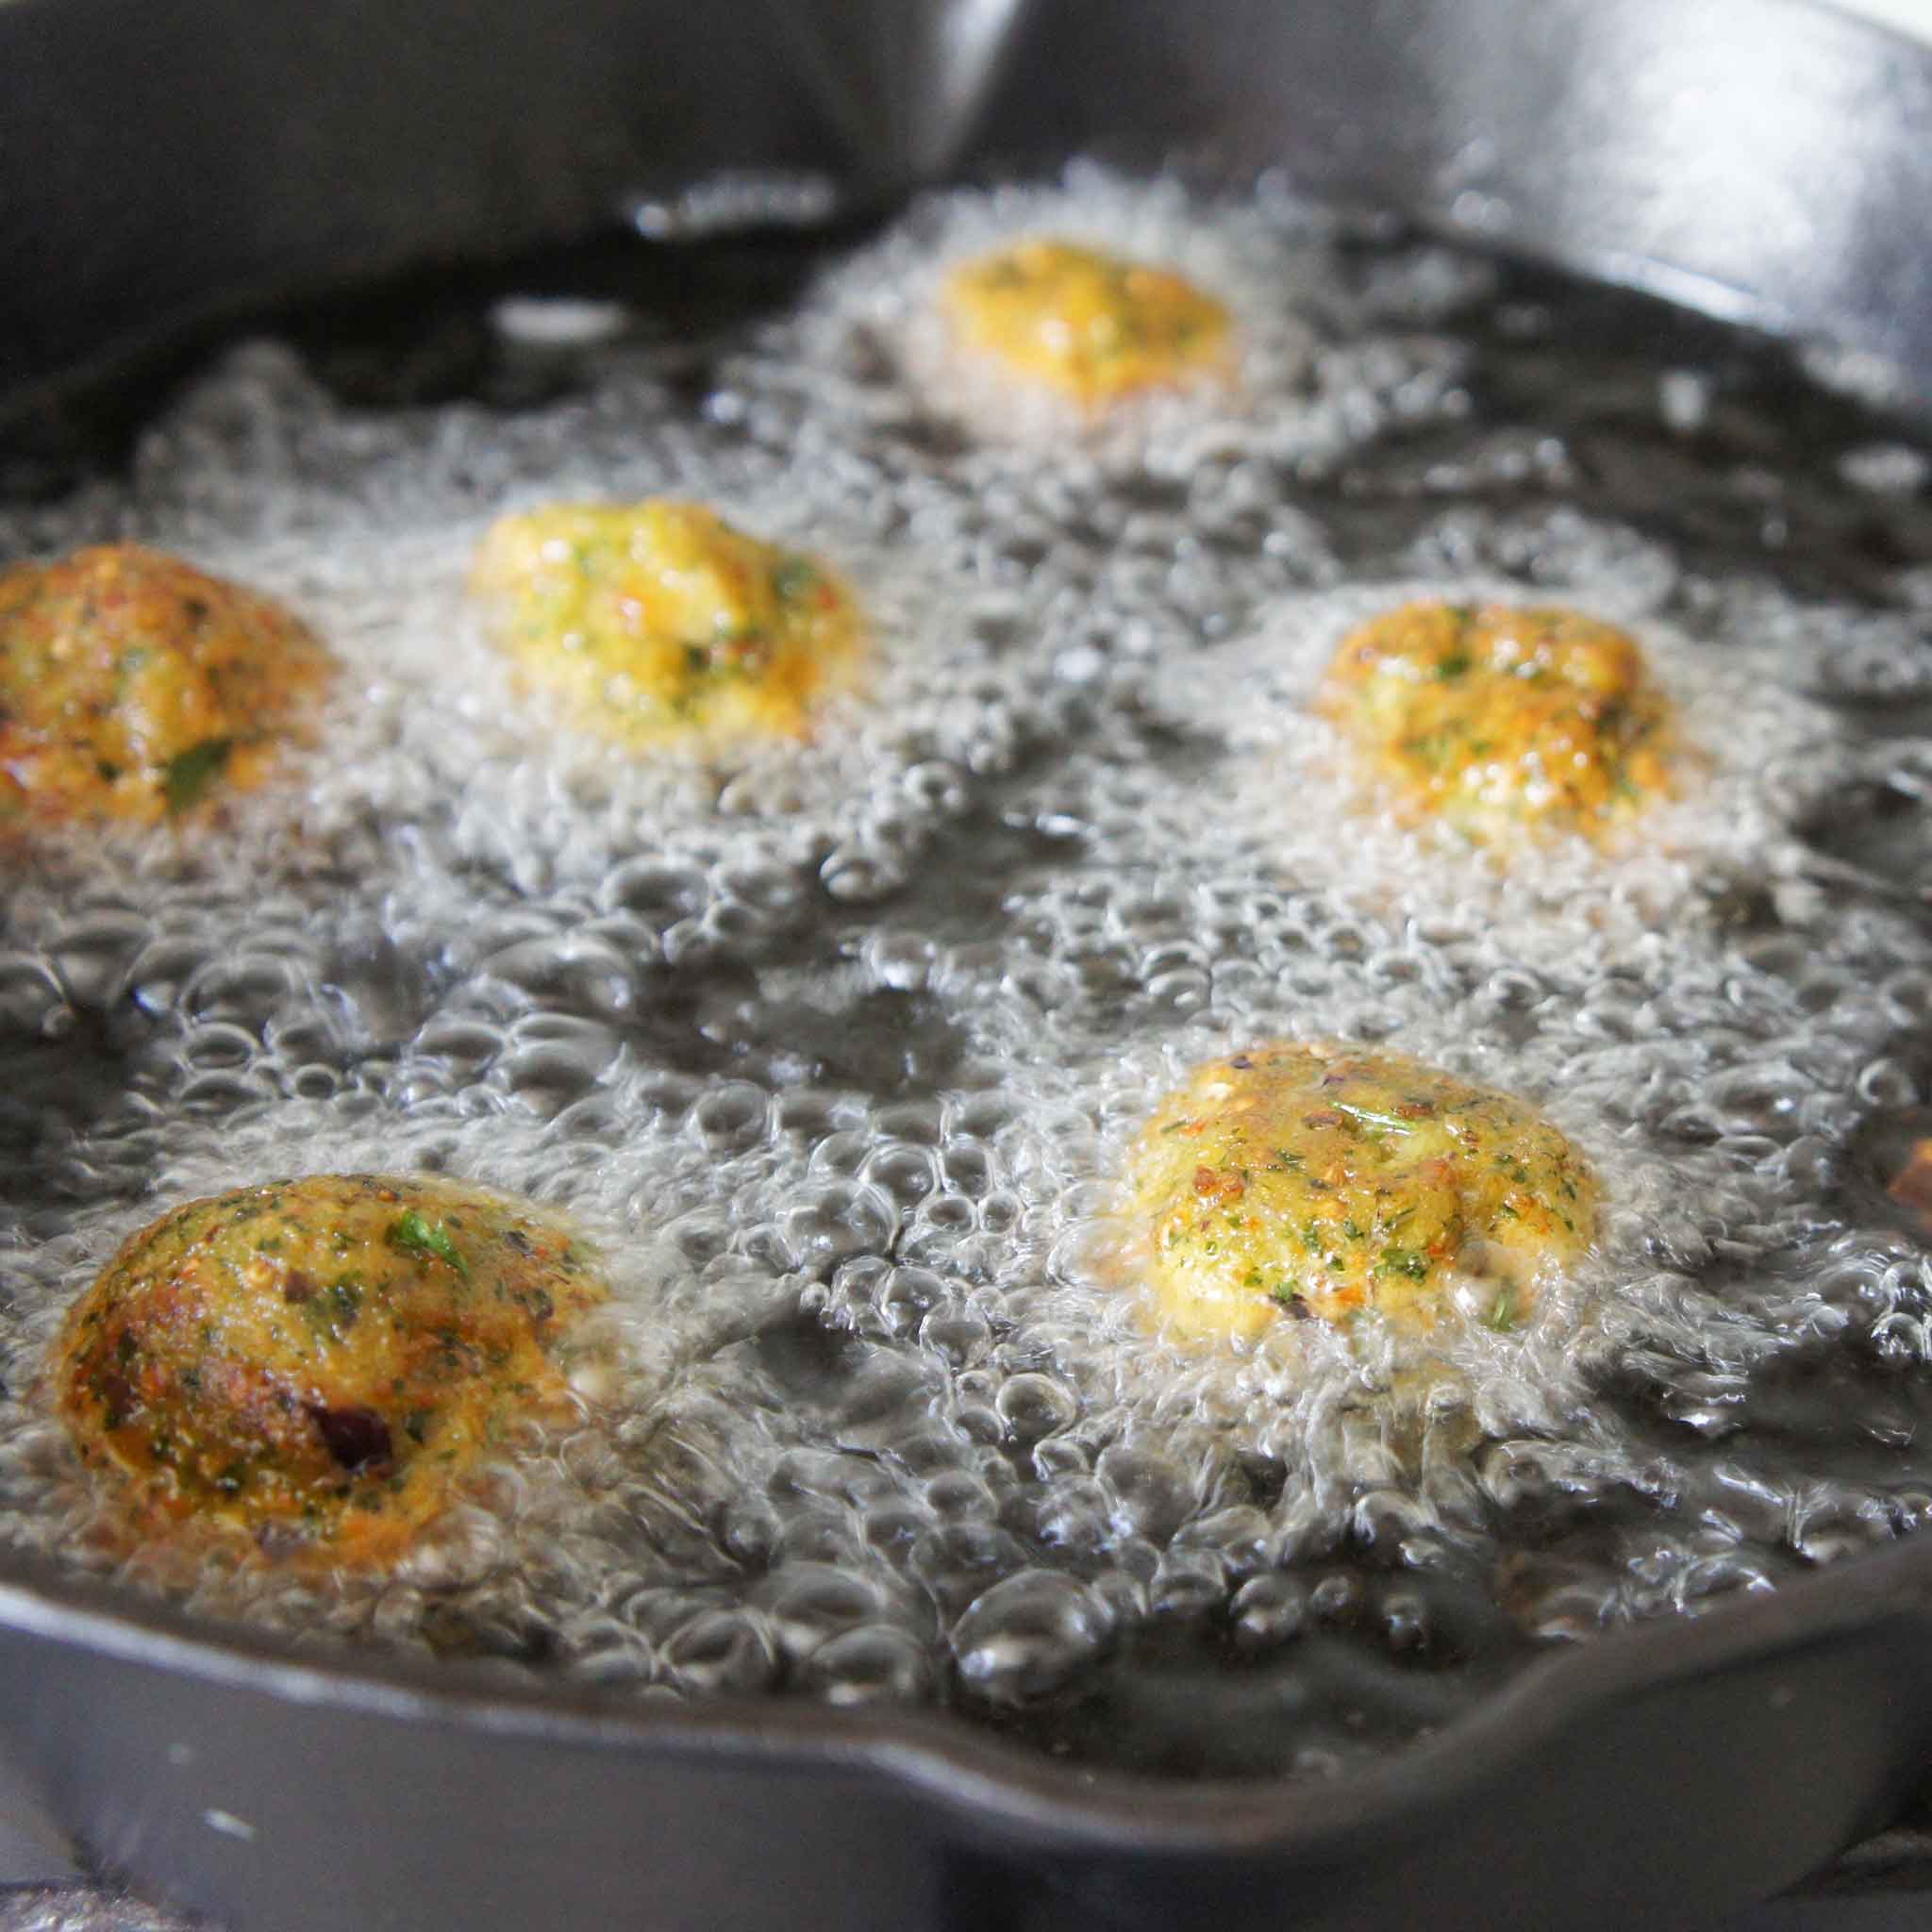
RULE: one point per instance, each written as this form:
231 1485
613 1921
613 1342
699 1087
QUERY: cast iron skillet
166 166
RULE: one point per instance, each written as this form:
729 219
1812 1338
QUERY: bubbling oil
834 1048
1751 761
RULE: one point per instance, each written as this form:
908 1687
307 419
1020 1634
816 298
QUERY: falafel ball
658 620
1505 720
133 685
1094 326
319 1360
1325 1180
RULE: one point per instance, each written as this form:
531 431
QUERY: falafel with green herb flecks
1506 720
1323 1180
319 1361
1093 327
659 623
134 686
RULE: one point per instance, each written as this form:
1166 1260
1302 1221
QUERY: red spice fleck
1214 1185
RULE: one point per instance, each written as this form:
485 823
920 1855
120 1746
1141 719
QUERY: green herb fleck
410 1232
332 1313
190 773
1412 1262
794 578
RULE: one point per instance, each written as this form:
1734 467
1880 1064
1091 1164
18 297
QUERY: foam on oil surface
1323 358
1246 262
835 1048
429 731
1754 758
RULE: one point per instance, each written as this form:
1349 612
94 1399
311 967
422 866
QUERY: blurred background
1913 16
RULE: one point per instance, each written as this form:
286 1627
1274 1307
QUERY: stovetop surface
1883 1883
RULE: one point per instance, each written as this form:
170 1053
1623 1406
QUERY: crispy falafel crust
1327 1180
658 622
318 1361
133 685
1096 328
1505 720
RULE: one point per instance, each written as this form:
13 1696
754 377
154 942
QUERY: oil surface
835 1049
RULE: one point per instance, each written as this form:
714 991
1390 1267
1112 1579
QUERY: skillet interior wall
1756 156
